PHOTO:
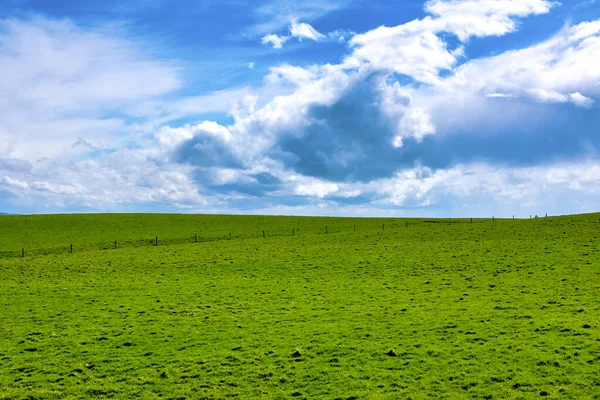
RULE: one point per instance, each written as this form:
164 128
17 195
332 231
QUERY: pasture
342 309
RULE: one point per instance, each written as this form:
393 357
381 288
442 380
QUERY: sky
440 108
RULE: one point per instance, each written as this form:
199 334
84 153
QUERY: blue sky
330 107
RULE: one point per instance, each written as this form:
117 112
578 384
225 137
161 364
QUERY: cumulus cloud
415 49
410 49
206 144
404 121
580 100
560 69
356 122
316 189
333 125
466 18
275 40
303 30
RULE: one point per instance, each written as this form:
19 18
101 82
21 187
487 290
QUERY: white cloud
61 82
317 189
345 131
127 178
411 121
276 14
546 96
467 18
299 30
109 182
8 181
560 69
275 40
171 137
62 66
292 74
307 113
304 31
415 48
580 100
411 49
421 186
499 95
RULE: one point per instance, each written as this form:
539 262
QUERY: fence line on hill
195 238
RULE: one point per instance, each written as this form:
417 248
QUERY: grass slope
504 309
53 234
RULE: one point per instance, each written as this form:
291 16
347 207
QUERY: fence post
471 219
156 243
406 222
195 238
293 231
229 235
22 252
264 233
493 219
71 248
354 227
115 244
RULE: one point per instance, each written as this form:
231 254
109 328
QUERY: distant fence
195 238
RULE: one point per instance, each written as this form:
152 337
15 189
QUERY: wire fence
393 224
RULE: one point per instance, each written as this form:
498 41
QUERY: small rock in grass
544 393
392 353
586 326
296 354
164 375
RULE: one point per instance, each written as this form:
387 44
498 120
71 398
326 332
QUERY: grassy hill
43 234
344 308
48 234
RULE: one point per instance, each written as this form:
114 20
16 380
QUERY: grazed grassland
490 310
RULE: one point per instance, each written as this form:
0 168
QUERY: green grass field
438 309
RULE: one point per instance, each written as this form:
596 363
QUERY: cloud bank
404 122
